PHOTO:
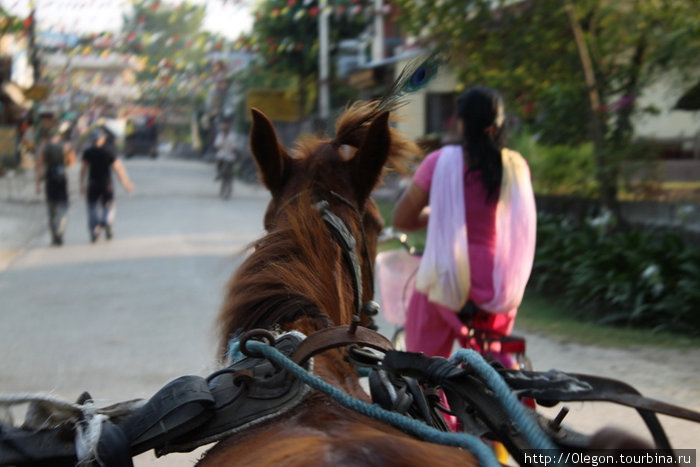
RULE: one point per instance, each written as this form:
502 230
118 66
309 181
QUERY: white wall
668 123
17 49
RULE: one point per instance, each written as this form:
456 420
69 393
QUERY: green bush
559 169
638 278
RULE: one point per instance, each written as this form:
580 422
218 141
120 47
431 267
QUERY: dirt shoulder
669 375
22 215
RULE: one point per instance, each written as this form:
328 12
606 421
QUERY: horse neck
294 280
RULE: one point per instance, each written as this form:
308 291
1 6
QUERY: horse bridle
348 245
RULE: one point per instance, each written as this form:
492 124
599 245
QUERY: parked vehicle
141 137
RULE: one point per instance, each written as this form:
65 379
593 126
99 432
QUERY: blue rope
234 350
514 408
479 449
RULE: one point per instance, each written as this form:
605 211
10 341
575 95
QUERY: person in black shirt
98 162
54 156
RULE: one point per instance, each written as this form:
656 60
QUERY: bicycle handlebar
388 234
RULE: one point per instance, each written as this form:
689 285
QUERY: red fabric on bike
433 329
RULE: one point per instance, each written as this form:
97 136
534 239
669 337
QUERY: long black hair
482 112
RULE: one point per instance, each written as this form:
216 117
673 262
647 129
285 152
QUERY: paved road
121 318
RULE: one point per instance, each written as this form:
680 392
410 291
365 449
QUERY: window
440 112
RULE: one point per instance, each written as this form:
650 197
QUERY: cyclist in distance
477 202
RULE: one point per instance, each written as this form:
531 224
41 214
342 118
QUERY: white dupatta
446 279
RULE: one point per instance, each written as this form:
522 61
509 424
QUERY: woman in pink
477 202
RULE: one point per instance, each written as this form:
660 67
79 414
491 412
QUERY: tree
528 50
10 24
285 36
172 46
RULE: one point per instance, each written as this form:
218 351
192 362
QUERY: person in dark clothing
53 156
96 184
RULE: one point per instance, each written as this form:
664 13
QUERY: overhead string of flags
141 49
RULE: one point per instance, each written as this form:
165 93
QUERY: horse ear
372 155
270 156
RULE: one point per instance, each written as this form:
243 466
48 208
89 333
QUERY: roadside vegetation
550 316
568 169
632 278
597 272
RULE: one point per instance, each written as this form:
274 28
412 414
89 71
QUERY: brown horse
295 279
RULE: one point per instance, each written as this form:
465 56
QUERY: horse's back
356 447
332 438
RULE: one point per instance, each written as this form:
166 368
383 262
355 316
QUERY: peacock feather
414 76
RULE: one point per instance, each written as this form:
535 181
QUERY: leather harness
191 411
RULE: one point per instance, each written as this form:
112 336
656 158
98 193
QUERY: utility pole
324 101
33 51
378 40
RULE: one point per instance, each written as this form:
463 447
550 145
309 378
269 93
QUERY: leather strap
186 413
556 386
553 387
339 336
347 244
248 392
176 408
468 395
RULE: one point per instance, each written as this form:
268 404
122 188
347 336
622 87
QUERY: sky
227 17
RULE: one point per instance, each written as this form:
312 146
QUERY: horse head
297 278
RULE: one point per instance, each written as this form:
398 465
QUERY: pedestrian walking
226 146
46 125
53 157
98 162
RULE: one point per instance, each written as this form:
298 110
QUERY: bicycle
396 273
226 177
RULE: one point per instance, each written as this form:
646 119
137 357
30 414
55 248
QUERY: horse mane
282 281
278 283
351 128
